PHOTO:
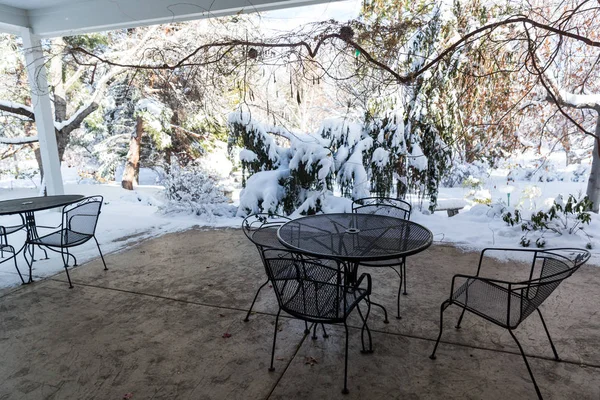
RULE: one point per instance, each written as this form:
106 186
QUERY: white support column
42 107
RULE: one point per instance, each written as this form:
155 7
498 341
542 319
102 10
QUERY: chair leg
15 260
314 336
460 318
45 253
325 335
537 389
345 390
399 291
271 368
254 301
548 334
404 275
365 327
101 255
385 316
74 259
306 328
65 257
29 264
445 305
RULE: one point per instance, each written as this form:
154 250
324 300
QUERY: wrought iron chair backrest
548 269
261 229
383 206
309 288
82 217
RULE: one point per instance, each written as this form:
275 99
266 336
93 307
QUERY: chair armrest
48 227
505 249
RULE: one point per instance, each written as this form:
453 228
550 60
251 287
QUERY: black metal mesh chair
78 226
5 247
508 303
393 208
261 229
316 290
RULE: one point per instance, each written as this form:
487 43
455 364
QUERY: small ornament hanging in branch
252 53
346 33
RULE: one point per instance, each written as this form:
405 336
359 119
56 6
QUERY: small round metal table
26 208
355 238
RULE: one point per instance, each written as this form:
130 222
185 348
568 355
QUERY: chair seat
320 302
267 238
62 238
491 301
384 263
12 229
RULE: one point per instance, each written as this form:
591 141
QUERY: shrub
192 189
562 218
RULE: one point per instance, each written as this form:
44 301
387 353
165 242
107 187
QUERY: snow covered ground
129 217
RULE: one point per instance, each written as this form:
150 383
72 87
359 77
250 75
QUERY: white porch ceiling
48 18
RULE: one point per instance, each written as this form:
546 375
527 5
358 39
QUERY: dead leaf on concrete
310 361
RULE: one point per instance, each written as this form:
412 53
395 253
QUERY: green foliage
251 137
510 219
472 183
562 217
91 41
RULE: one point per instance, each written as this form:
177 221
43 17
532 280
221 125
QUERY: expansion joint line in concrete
288 364
546 358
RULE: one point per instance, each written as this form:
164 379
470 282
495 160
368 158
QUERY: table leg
352 277
31 234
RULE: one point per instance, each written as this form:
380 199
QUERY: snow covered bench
451 206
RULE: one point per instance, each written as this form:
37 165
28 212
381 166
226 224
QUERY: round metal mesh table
31 204
355 237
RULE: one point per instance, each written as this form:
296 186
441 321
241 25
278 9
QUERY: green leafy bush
562 218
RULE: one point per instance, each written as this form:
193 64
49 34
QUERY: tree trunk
132 166
593 188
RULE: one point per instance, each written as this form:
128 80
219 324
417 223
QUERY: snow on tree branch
19 140
18 109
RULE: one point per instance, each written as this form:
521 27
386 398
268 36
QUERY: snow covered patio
166 321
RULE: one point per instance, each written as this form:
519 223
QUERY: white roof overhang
51 18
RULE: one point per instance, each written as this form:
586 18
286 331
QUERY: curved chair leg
17 268
548 334
65 257
365 327
45 253
325 335
385 320
345 389
29 263
445 305
271 368
254 301
537 389
314 336
101 255
306 328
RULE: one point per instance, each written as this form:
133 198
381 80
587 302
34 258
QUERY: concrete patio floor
154 327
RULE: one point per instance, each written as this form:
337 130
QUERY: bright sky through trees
291 18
